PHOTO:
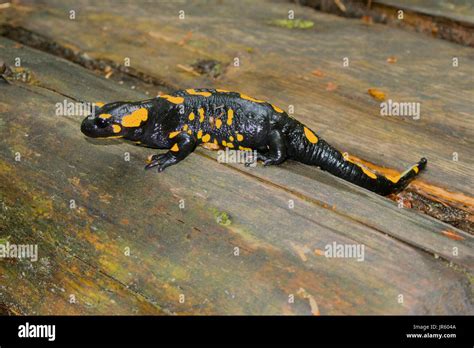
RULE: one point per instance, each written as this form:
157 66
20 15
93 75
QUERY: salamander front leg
276 149
184 145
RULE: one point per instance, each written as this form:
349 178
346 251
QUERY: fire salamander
184 119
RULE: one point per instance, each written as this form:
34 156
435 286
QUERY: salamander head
115 120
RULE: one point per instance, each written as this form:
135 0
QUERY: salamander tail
310 149
400 182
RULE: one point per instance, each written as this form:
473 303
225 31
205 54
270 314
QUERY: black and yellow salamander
186 118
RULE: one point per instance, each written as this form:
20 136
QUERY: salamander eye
101 123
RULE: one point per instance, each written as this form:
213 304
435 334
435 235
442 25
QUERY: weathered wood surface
461 10
186 251
451 20
277 64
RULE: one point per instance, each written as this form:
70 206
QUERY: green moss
292 23
198 43
4 240
21 74
208 67
221 217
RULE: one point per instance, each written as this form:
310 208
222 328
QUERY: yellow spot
201 114
365 170
218 123
112 137
230 145
190 132
244 148
185 127
224 142
276 108
230 116
199 135
116 128
393 179
206 138
222 90
105 116
240 137
310 136
135 118
191 116
368 173
149 159
397 178
99 104
173 134
215 142
175 148
246 97
203 94
231 138
171 99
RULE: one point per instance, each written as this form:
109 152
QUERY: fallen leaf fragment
340 5
188 69
367 20
392 59
300 250
319 252
312 302
186 38
317 73
452 235
377 94
331 87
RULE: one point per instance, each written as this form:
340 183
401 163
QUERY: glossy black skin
275 135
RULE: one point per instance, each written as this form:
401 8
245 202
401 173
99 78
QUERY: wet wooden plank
460 10
277 64
312 185
364 208
448 20
176 251
59 282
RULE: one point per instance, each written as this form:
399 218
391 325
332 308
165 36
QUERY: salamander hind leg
276 149
184 145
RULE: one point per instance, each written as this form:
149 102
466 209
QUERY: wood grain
187 251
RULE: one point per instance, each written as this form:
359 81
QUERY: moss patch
292 23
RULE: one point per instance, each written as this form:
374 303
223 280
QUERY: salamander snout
116 120
87 126
101 126
91 126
